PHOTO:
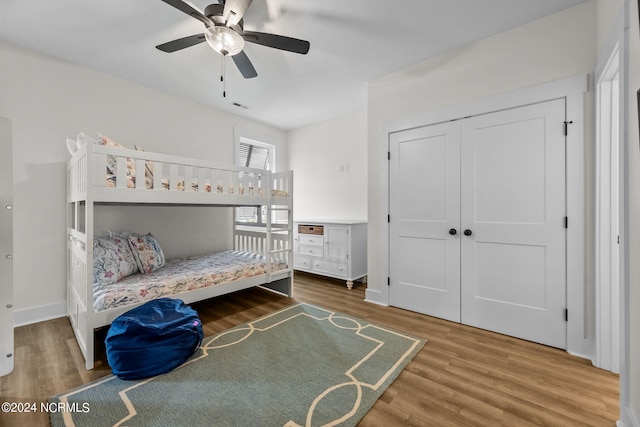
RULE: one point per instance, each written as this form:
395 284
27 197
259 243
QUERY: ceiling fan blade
244 65
182 43
278 42
183 7
234 10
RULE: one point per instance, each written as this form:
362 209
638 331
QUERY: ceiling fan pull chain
223 76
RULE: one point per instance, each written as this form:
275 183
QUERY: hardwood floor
462 377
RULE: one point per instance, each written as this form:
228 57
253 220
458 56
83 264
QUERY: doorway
607 258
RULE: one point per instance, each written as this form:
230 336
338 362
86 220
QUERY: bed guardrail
115 169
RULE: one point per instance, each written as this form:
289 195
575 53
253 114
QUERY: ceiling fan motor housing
215 13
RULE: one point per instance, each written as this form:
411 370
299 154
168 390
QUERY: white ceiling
352 42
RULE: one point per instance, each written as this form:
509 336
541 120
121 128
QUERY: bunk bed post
269 209
283 182
289 190
80 249
93 163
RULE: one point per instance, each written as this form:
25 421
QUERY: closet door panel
513 203
424 206
506 176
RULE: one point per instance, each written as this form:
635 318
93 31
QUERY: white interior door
6 249
513 204
424 197
498 180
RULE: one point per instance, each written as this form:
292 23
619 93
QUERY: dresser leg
349 284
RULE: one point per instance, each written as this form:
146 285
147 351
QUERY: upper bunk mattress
182 275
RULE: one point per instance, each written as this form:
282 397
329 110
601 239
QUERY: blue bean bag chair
153 338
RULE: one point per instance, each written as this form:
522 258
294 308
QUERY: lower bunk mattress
182 275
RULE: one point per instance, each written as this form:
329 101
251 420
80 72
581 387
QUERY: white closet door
501 178
424 197
513 203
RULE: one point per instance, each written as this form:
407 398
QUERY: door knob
453 231
467 232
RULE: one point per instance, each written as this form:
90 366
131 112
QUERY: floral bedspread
181 275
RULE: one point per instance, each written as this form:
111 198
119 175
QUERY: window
259 155
255 156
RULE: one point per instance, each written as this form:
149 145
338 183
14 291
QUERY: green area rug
301 366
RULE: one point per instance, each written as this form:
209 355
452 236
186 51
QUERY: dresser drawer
302 262
334 268
316 251
311 229
311 239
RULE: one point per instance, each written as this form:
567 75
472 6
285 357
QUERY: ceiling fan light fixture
224 40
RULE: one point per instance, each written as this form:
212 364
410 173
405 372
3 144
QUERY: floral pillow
111 160
128 263
147 252
112 260
131 165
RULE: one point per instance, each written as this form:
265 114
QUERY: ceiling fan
225 33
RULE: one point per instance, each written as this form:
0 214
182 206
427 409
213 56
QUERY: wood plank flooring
462 377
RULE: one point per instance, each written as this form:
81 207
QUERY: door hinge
388 281
566 314
388 155
566 222
566 127
388 218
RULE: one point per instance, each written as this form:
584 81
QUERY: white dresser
331 248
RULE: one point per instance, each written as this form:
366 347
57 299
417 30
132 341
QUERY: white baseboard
628 418
27 316
587 357
374 297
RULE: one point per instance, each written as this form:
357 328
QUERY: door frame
7 321
608 206
573 89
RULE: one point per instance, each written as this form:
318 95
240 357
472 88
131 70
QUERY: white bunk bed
170 180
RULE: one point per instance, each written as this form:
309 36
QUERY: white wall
49 100
607 12
329 160
630 383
